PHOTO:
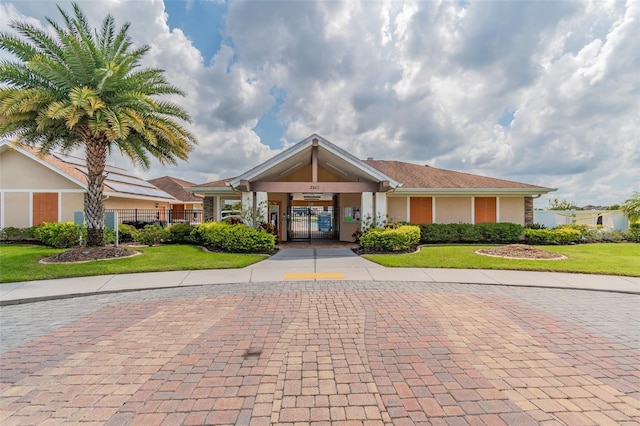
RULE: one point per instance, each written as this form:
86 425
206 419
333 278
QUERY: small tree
557 204
254 217
632 207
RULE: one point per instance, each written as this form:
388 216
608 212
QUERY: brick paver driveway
324 352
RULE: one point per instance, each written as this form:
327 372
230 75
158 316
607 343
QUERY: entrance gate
308 223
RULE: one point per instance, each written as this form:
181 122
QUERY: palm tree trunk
96 155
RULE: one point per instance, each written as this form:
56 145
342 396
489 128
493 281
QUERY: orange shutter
485 209
420 210
45 207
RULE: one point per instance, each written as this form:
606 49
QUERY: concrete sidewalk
318 264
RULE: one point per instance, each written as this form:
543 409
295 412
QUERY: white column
262 202
473 210
433 210
2 210
497 209
381 209
218 212
59 206
30 208
247 201
408 219
366 208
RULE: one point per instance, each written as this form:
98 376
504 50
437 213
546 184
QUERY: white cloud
415 81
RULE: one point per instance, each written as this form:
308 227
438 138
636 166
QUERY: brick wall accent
208 208
528 211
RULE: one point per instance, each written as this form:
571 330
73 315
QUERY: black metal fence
306 224
141 217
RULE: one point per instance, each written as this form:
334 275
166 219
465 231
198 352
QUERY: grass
610 259
21 263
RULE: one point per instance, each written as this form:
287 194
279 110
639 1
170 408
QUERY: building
37 188
317 190
189 205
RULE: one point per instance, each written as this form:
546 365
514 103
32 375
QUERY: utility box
111 222
78 218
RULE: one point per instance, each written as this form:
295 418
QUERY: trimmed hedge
11 234
152 234
237 238
180 233
493 233
127 233
402 238
59 234
560 235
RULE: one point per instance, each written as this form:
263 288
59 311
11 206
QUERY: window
230 208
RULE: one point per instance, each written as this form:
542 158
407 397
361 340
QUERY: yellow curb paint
312 275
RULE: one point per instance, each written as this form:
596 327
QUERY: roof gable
298 155
118 182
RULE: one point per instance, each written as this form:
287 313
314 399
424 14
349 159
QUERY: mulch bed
520 251
86 254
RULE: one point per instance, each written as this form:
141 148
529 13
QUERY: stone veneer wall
208 211
528 211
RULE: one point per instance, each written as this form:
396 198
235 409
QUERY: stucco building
317 190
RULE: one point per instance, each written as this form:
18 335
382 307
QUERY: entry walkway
317 264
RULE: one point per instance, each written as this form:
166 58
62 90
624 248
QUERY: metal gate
306 223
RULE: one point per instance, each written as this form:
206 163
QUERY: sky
541 92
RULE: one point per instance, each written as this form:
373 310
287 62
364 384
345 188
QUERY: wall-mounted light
156 205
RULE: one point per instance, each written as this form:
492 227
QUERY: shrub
402 238
12 234
180 233
633 234
504 233
560 235
138 224
536 226
59 234
127 233
152 234
108 234
236 238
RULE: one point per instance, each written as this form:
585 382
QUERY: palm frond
40 40
53 71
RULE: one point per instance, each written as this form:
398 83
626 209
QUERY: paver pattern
324 353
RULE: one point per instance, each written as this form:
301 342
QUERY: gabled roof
176 187
118 183
298 155
415 177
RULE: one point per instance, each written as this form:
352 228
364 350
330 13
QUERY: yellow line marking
312 275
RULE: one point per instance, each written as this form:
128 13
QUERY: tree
557 204
80 87
632 207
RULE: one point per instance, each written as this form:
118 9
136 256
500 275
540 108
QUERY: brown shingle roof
118 181
416 176
175 187
215 184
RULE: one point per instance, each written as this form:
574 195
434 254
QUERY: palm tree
80 87
632 207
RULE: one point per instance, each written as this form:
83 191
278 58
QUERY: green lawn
20 263
613 259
